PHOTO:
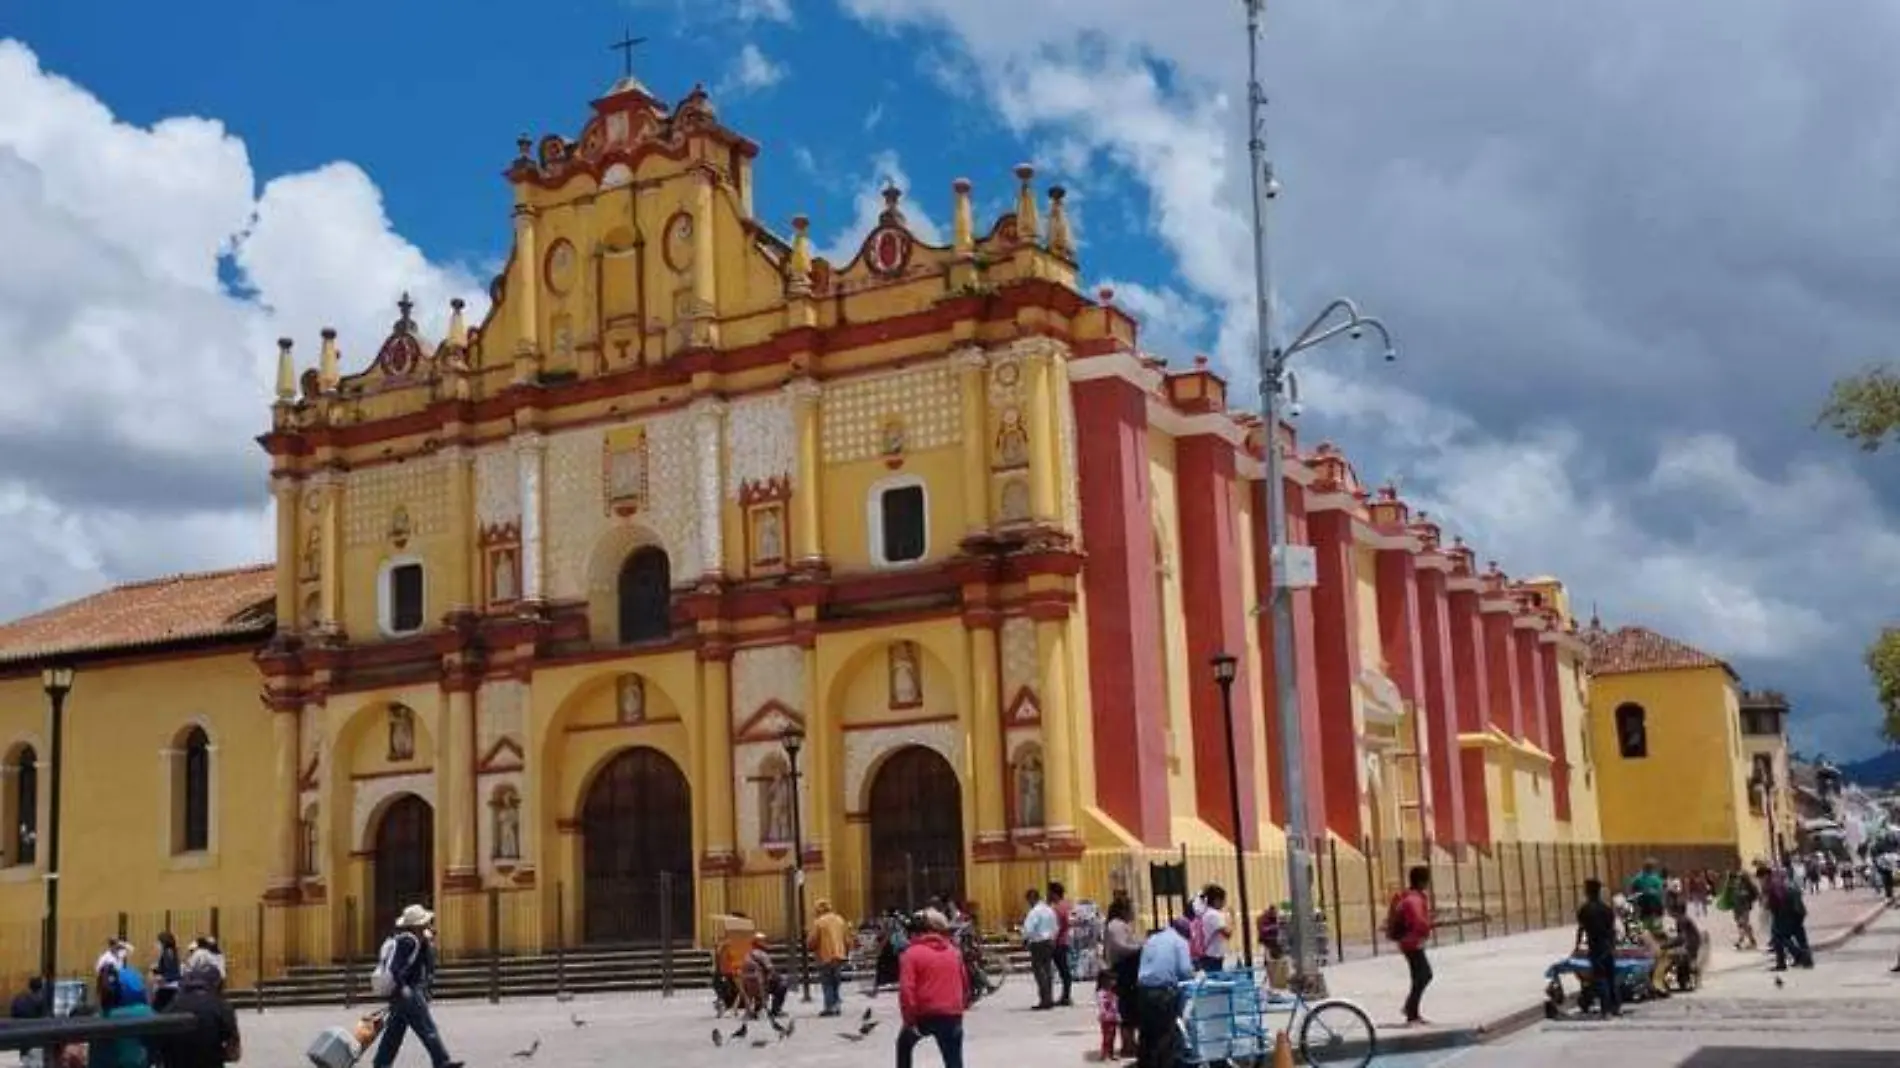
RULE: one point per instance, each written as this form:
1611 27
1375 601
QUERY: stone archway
404 865
636 826
916 811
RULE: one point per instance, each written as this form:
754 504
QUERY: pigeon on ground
577 1021
740 1033
528 1054
718 1039
866 1018
867 1026
1778 983
759 1043
850 1037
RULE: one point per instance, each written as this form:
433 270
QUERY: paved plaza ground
1479 985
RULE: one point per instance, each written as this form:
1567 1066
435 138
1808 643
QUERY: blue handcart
1227 1018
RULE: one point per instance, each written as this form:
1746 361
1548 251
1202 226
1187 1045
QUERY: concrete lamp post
794 740
58 682
1294 567
1225 667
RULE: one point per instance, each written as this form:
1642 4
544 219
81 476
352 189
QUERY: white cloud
753 70
135 381
873 117
764 10
886 170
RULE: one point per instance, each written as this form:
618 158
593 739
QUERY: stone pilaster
808 546
709 418
530 449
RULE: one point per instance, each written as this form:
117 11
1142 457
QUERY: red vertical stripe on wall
1559 738
1440 706
1336 648
1473 691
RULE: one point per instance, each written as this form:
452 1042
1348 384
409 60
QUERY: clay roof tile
141 614
1627 650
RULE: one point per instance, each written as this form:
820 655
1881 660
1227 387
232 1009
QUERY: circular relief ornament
887 252
560 267
679 244
400 355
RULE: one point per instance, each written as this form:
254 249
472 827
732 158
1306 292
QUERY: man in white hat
405 969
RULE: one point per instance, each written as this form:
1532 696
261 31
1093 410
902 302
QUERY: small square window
404 598
902 524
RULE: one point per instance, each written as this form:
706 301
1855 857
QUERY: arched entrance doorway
636 826
405 861
916 830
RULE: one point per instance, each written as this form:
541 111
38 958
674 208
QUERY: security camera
1358 332
1391 355
1293 410
1273 187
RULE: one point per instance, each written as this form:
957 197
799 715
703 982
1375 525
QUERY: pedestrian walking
1165 965
932 989
1039 936
1065 967
829 945
166 972
1122 946
1216 930
1596 937
215 1042
1787 915
1108 1013
405 975
1409 923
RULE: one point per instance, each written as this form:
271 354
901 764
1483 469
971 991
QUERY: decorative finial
798 272
1060 241
1027 225
892 195
1106 294
625 46
458 329
524 145
405 306
327 361
1200 361
963 219
286 371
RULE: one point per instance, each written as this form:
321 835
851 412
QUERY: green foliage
1865 408
1883 662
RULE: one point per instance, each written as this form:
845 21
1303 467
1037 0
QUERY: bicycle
1331 1031
986 967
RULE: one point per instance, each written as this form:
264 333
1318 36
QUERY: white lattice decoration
1018 639
577 516
774 673
925 400
499 709
418 486
497 486
761 441
1070 477
862 748
369 794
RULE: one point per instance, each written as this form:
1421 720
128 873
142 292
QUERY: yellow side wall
1689 789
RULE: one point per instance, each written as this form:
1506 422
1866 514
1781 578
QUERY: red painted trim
1336 645
1472 693
914 721
1127 702
1500 656
1215 613
1530 689
1440 707
394 773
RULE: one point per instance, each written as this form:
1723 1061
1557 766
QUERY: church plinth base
283 896
461 882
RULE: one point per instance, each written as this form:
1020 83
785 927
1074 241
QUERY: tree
1865 408
1883 662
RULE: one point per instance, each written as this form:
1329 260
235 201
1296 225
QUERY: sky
1624 247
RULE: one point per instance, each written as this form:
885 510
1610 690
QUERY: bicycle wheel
1338 1033
995 968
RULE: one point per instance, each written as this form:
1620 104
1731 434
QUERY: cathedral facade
553 593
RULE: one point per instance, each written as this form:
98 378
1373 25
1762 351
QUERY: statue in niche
631 706
1015 506
507 825
402 734
312 561
400 527
1029 788
1012 439
505 581
892 439
775 823
770 538
907 689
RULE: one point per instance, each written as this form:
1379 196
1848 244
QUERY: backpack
382 981
1396 924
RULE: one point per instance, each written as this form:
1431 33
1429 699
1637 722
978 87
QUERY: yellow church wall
1177 674
122 726
1685 792
1271 836
850 510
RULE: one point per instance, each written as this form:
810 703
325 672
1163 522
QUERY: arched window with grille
23 824
645 596
191 799
1632 731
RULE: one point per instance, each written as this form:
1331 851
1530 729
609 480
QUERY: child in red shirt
1108 1011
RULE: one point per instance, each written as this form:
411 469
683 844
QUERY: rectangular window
405 598
903 524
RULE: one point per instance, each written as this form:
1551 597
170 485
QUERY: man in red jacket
1410 925
932 989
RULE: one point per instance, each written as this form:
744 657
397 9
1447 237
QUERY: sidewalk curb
1512 1022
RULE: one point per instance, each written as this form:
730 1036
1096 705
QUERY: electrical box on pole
1295 567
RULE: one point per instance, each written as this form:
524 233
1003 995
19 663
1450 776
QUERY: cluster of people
189 983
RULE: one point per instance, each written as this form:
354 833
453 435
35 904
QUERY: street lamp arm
1317 333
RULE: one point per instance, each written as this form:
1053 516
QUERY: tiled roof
180 608
1626 650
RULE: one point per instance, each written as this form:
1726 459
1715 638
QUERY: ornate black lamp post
58 681
793 740
1225 667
